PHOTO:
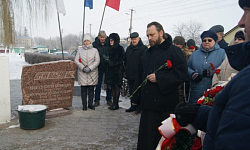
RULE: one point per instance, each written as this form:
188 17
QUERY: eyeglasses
205 40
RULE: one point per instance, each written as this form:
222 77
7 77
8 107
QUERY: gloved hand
185 113
207 73
196 77
86 69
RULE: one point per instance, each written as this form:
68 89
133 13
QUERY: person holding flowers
202 64
227 122
162 68
87 60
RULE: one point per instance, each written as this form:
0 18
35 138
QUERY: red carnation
212 65
213 93
217 71
169 63
80 61
192 47
206 93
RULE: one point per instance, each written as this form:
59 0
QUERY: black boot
111 105
91 97
115 105
84 108
91 107
132 108
84 97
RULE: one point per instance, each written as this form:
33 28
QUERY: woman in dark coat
114 73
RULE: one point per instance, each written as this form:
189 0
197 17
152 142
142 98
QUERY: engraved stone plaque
50 84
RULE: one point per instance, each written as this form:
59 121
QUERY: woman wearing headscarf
87 60
225 68
114 73
202 64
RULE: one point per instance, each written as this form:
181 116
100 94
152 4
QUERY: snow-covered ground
16 62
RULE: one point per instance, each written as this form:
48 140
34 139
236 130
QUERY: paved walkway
98 129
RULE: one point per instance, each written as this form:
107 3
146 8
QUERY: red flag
115 4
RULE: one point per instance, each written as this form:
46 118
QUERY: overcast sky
166 12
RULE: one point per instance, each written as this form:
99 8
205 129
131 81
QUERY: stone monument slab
50 84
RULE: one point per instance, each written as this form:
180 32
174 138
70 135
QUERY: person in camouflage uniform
179 41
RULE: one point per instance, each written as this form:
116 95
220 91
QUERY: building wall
24 42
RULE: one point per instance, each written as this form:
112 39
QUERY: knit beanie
239 35
191 42
87 37
244 3
209 33
179 40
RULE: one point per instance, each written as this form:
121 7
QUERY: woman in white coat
87 60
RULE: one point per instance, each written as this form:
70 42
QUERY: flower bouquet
172 132
209 96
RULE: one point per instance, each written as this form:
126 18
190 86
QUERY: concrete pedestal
5 109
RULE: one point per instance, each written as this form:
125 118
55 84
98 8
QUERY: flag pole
102 18
83 22
60 34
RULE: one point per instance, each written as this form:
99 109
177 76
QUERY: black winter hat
209 33
191 42
244 3
134 35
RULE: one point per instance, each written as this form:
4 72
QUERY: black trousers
149 136
87 91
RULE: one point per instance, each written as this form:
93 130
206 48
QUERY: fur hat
209 33
217 28
116 38
244 3
87 37
179 40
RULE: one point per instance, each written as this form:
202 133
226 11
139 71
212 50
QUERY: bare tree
55 43
189 30
10 11
41 41
69 41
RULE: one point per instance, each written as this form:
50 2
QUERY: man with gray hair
101 44
219 29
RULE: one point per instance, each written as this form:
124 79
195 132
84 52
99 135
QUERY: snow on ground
16 62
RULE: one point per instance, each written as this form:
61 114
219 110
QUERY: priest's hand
152 78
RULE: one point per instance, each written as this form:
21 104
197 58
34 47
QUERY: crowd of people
169 76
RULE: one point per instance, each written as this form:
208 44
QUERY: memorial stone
50 84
